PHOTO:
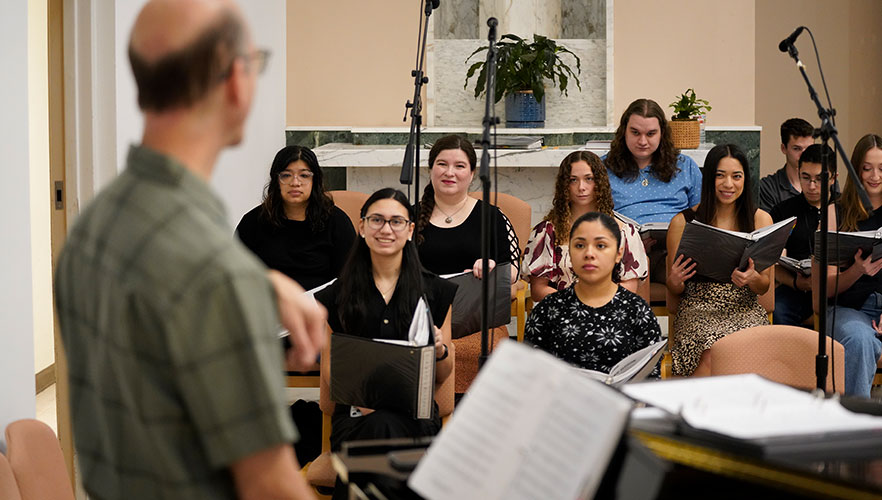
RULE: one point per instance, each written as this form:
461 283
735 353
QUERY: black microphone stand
490 120
826 131
411 164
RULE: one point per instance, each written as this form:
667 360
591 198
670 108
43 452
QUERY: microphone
787 42
436 4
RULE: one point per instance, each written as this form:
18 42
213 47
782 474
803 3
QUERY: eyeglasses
377 222
286 177
260 57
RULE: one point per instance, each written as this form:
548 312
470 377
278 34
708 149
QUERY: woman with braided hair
449 234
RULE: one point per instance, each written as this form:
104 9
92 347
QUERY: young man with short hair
793 295
796 136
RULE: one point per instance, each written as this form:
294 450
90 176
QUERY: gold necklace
388 290
449 218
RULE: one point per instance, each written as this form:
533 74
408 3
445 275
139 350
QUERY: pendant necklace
449 217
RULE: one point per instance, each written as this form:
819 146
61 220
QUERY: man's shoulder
770 180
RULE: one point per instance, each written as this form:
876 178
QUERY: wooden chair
350 202
8 486
320 472
37 462
782 353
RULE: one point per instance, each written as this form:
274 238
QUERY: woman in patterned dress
708 311
582 186
595 322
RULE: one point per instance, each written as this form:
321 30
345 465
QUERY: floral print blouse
542 259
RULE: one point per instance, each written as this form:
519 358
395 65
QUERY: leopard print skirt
707 313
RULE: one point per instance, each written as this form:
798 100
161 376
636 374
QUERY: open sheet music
530 427
467 301
751 407
655 230
383 374
842 246
718 252
635 367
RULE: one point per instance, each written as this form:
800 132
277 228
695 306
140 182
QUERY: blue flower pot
523 111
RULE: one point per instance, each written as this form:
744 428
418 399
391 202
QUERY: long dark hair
560 212
320 204
745 209
357 278
427 203
664 159
612 226
851 209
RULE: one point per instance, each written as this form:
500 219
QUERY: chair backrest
782 353
8 486
36 459
518 212
350 202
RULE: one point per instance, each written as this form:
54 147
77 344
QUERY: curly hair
560 212
427 203
851 209
664 159
320 204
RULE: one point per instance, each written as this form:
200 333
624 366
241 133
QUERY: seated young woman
449 239
297 229
854 318
582 186
375 297
708 311
595 322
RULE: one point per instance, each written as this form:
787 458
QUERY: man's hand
303 317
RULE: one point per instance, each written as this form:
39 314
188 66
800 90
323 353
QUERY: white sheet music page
529 428
750 407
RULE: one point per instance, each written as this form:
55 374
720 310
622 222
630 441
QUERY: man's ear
235 85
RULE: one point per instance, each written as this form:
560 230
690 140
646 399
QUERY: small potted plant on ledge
685 129
521 70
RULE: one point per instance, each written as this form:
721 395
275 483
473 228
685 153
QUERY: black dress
455 249
311 258
595 338
381 322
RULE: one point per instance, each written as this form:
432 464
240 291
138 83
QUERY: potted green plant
685 129
522 67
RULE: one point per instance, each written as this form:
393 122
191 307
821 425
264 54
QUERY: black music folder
842 246
382 374
467 301
718 252
803 266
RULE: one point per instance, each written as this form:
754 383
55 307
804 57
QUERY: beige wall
349 61
662 48
848 39
38 137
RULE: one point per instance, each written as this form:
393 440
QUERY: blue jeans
862 349
792 307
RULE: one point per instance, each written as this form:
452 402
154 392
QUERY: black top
309 258
857 293
775 188
382 318
455 249
595 338
801 242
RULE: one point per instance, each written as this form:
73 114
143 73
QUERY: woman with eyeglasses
582 186
375 297
297 229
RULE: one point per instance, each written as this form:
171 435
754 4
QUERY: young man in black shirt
783 184
793 295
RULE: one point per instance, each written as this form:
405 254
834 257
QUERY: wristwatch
443 356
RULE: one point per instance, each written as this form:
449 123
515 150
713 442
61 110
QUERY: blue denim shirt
657 201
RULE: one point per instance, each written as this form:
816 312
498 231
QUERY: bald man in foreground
170 325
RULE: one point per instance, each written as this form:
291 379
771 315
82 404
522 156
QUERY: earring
362 235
